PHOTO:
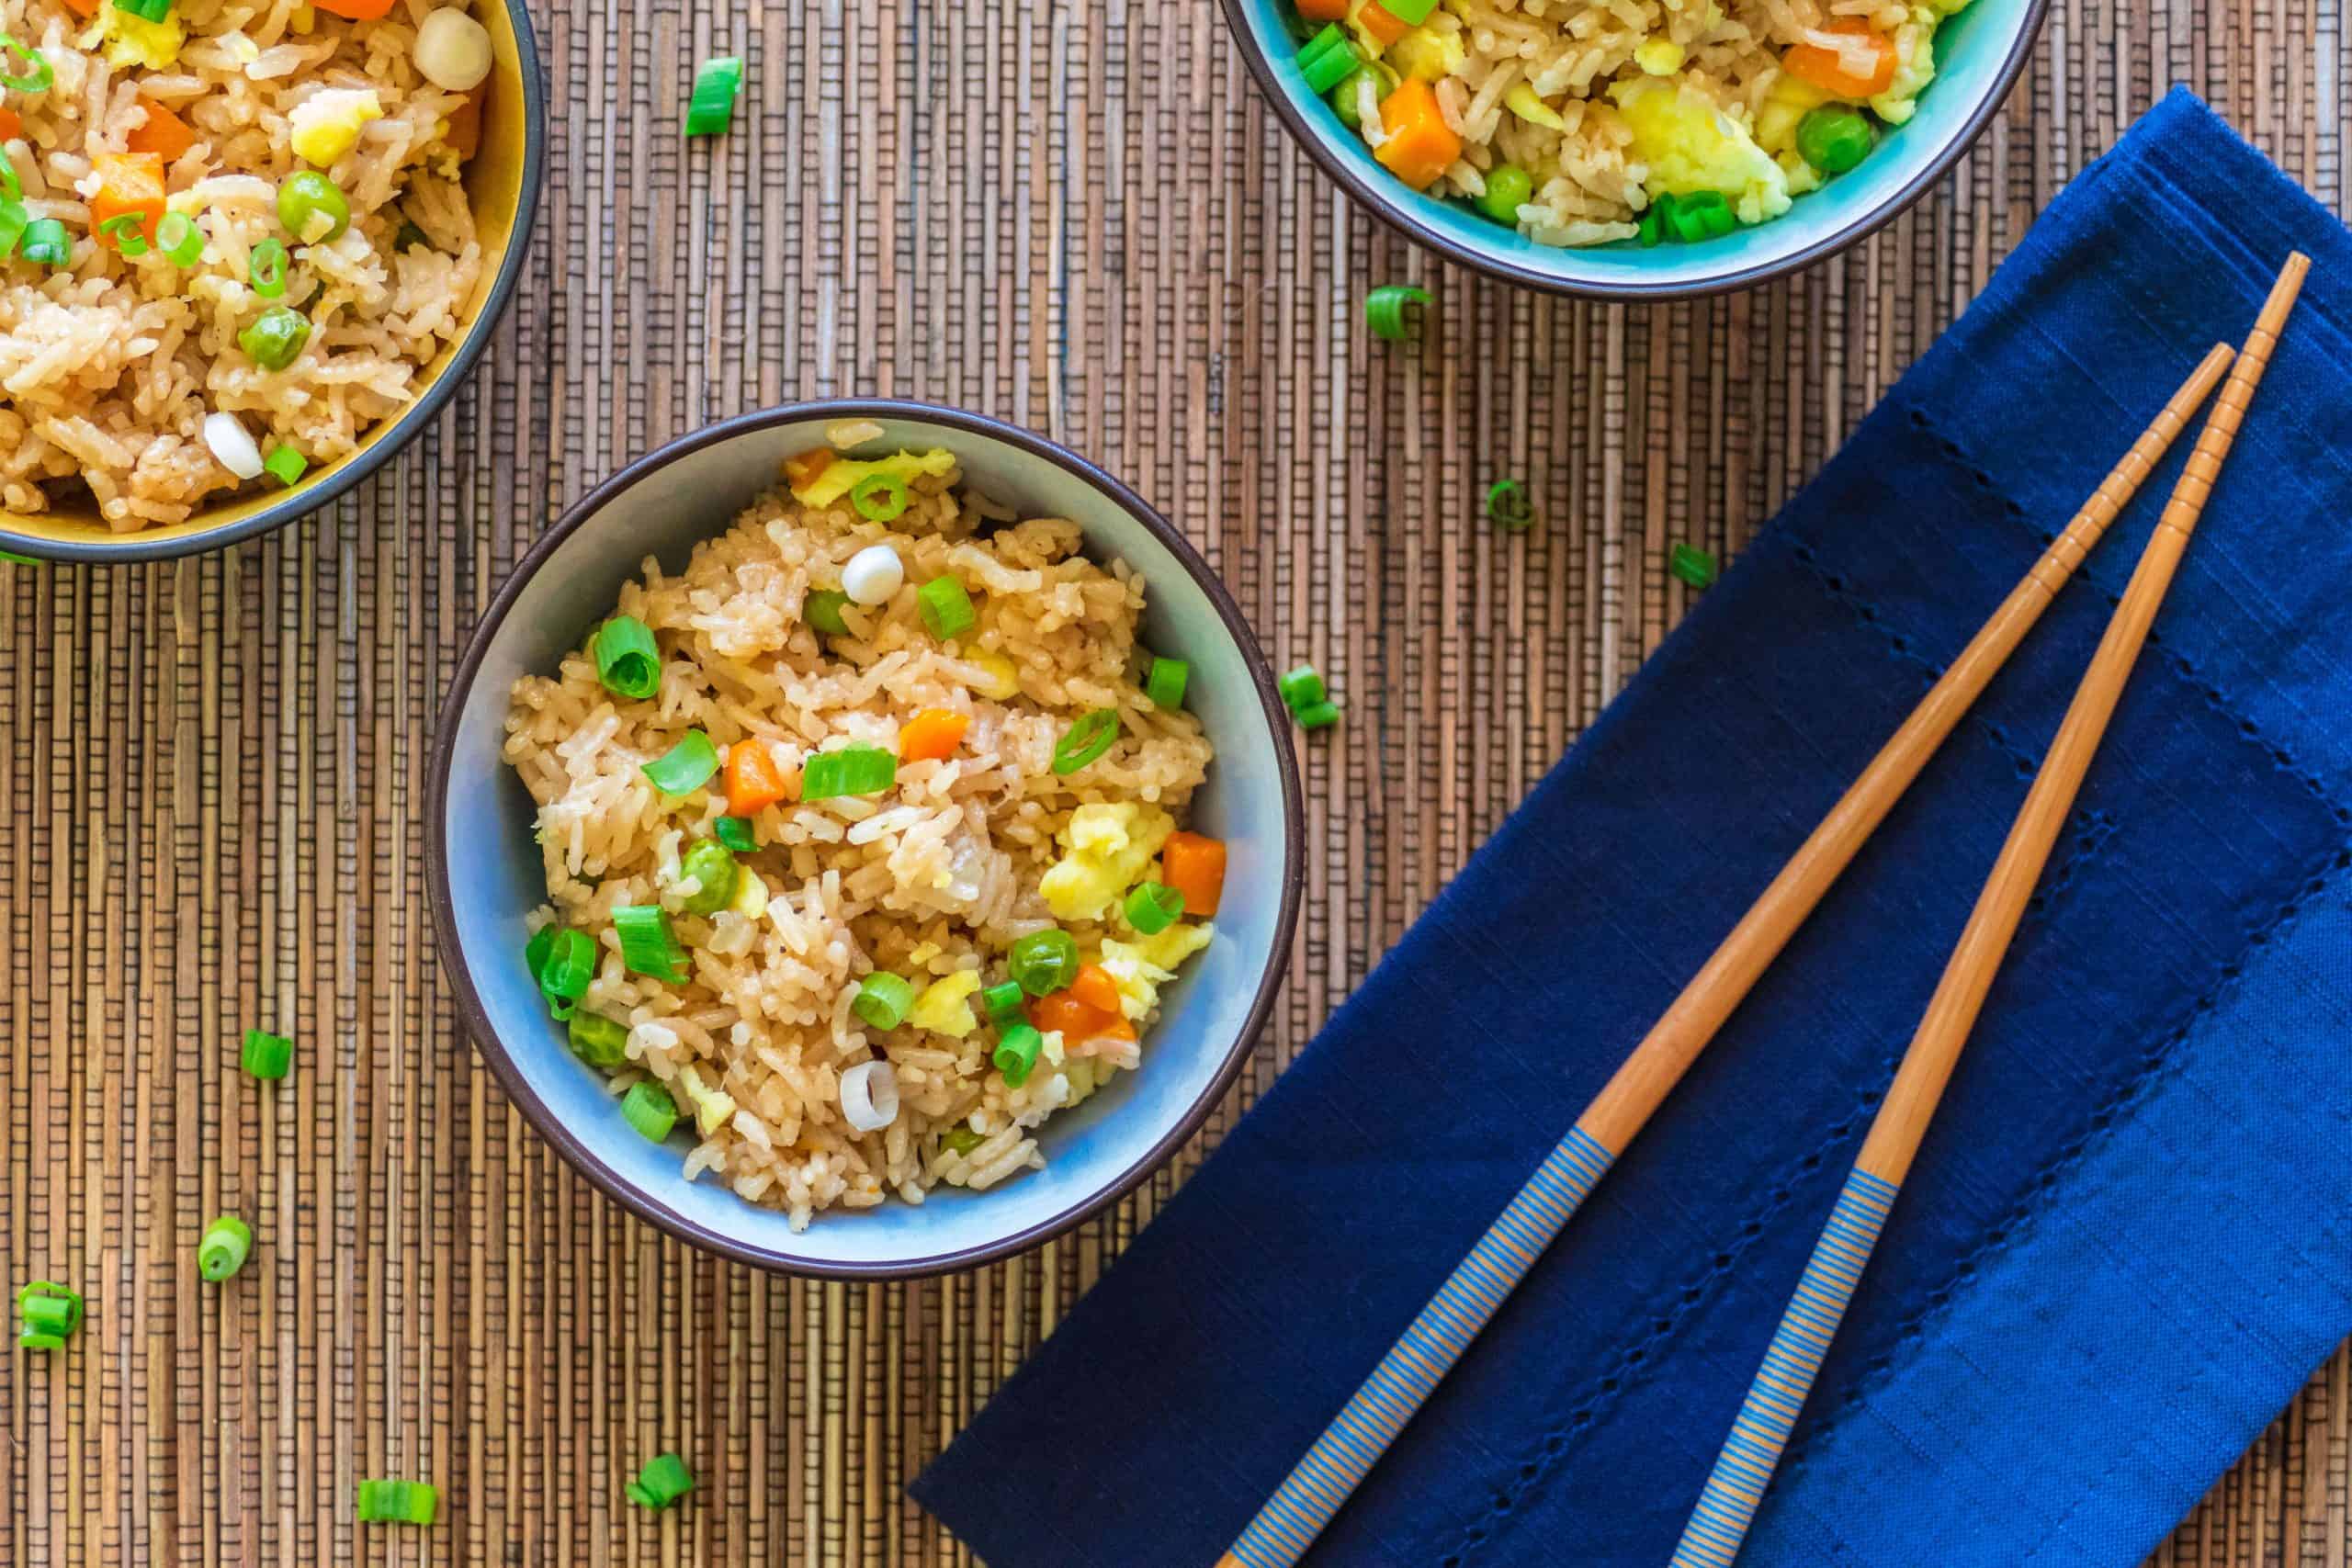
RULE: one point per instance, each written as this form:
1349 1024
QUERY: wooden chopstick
1719 1523
1356 1437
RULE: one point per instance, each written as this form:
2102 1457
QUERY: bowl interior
495 877
495 178
1974 51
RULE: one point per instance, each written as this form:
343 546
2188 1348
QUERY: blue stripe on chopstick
1371 1419
1719 1523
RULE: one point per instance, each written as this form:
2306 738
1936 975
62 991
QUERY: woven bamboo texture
1079 217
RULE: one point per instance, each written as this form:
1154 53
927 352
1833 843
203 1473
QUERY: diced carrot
1831 70
931 734
12 124
800 470
1420 145
464 124
1194 866
356 10
1065 1012
1117 1029
1323 10
130 185
1383 24
83 7
752 778
1095 988
165 134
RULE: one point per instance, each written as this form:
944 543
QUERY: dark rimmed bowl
1979 53
502 182
485 874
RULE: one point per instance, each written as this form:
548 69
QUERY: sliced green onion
265 1055
712 864
398 1502
880 498
1002 1001
128 232
686 767
1327 59
1385 309
1017 1045
409 237
1153 907
713 104
628 662
1693 566
649 1108
274 340
853 769
961 1139
598 1041
882 998
43 77
1317 715
536 951
1092 735
1835 136
179 239
1507 505
822 610
647 947
49 1312
1043 961
14 217
228 1241
736 834
46 242
947 608
145 10
1654 226
1302 687
1700 215
1165 684
285 464
569 965
266 268
663 1481
1412 13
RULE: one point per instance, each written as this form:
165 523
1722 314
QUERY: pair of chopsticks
1352 1444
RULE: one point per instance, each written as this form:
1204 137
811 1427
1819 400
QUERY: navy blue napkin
2129 1238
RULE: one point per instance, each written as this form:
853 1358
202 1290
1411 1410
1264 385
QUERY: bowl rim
1396 217
475 1019
404 426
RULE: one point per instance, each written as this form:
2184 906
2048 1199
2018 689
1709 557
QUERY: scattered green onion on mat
822 610
43 76
1017 1045
1327 59
649 1108
628 662
265 1055
1508 506
266 268
597 1040
1153 907
947 608
851 770
1317 715
179 239
663 1479
712 864
1043 961
50 1313
21 560
128 232
46 242
564 973
398 1502
1509 188
1835 137
686 767
1083 741
883 999
285 464
1693 565
1385 309
880 498
647 947
736 833
1302 687
227 1242
713 103
1165 684
1002 1001
274 340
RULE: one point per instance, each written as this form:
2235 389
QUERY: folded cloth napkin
2129 1238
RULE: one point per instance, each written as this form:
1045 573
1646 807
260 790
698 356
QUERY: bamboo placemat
1079 217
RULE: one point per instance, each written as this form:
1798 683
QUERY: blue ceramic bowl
1979 53
485 871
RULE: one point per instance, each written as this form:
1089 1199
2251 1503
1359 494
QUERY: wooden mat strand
1076 216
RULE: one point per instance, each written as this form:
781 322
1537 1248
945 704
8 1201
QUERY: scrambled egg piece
751 900
1109 848
843 475
1915 66
1140 967
1787 101
1521 101
712 1107
1658 56
133 41
1430 53
1003 682
944 1008
1692 145
325 126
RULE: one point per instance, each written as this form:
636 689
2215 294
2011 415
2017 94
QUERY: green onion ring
266 270
627 660
686 767
1385 308
227 1242
880 498
1092 735
180 240
128 232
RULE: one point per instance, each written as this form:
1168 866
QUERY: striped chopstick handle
1770 1413
1352 1444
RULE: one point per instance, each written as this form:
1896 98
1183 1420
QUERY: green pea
1509 188
275 338
598 1041
1835 136
1343 98
711 863
309 195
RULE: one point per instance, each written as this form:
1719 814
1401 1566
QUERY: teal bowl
1979 55
484 874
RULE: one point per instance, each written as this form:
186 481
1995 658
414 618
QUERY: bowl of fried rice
1635 149
864 837
246 252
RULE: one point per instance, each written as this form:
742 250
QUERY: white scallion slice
225 434
870 1096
